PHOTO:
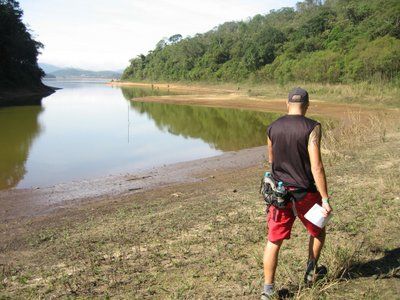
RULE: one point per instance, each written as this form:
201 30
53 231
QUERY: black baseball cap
298 95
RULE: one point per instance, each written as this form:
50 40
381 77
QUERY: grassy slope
204 240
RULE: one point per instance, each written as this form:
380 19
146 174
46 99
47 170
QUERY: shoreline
30 202
34 202
203 95
25 96
155 234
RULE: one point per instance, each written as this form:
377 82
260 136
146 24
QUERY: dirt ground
229 97
202 236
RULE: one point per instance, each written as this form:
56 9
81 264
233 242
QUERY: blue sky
104 34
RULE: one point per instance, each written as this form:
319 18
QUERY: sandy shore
225 97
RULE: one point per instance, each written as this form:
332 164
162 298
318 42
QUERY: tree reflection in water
223 129
19 127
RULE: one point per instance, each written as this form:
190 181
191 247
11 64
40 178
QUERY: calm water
91 130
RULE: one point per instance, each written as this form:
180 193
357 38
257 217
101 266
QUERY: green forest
332 41
18 50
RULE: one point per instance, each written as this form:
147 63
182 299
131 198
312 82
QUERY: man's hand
328 209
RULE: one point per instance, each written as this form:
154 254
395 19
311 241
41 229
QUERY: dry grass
355 129
376 95
203 240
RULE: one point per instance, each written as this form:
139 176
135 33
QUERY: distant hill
48 68
47 76
74 72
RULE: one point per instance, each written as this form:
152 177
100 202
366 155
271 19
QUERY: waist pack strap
300 193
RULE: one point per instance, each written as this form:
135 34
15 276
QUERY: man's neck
296 113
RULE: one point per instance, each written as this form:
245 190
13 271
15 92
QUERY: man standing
294 152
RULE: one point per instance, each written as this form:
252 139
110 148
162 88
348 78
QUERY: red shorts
280 221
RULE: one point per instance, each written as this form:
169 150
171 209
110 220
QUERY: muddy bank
25 96
194 88
23 203
225 97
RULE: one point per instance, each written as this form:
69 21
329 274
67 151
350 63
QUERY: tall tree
18 50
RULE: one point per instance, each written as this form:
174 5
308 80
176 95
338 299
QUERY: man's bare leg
271 252
315 246
314 250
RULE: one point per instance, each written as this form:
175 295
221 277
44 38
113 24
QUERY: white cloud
106 34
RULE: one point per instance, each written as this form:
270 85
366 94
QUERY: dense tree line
318 41
18 50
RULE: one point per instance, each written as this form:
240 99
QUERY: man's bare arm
317 167
270 155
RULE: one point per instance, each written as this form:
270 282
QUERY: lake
90 129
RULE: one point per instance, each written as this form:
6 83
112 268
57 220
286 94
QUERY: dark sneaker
264 296
314 275
310 272
309 278
321 272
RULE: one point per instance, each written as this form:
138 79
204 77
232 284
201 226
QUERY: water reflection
91 130
223 129
19 127
22 101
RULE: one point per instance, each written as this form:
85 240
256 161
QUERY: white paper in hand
315 216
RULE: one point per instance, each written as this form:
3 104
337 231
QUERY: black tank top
291 162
